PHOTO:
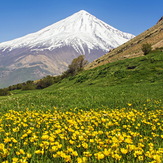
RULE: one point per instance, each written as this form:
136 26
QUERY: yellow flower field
77 136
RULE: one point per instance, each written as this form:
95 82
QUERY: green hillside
113 85
110 114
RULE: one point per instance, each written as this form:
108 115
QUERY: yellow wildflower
123 150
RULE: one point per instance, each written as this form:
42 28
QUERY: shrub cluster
47 81
31 85
74 68
4 92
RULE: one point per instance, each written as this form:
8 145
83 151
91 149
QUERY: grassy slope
137 81
132 48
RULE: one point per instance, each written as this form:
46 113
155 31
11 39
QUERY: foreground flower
82 136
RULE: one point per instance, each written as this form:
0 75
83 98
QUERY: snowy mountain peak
81 12
50 50
76 30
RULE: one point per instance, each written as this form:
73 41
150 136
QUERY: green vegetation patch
113 85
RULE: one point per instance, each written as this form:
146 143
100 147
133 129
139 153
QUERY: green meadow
110 114
137 81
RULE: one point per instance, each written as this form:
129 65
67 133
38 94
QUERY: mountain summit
50 50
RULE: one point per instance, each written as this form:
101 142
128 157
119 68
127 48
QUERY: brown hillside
132 48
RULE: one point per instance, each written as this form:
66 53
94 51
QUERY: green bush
45 82
146 48
76 66
4 92
16 87
28 87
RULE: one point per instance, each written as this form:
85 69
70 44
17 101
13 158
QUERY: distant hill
132 48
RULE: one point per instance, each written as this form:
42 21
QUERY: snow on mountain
76 30
52 48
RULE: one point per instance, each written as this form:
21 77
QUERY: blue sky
21 17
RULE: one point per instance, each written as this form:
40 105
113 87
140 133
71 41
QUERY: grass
108 114
113 85
82 98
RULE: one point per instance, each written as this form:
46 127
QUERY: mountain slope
132 48
50 50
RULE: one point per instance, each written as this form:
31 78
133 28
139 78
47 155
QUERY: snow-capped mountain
51 50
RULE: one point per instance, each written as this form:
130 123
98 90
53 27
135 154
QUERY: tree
76 65
4 92
29 85
146 48
45 82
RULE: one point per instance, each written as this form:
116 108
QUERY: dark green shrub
17 86
146 48
28 87
45 82
4 92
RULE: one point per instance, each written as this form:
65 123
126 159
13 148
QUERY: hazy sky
21 17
